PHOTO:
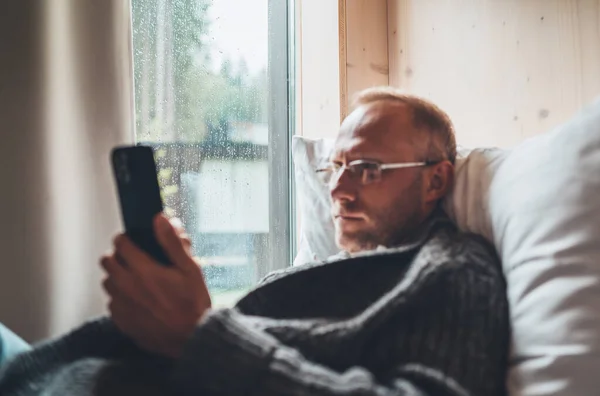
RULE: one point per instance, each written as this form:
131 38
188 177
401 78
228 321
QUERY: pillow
539 203
467 204
317 233
544 207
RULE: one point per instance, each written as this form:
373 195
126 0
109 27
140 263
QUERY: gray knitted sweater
429 318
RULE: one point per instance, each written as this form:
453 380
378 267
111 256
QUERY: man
414 307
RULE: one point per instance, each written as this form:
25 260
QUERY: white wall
318 72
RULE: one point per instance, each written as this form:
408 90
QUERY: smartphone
135 174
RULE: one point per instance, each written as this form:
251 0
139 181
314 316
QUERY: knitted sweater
426 318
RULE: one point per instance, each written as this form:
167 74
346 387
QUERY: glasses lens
369 172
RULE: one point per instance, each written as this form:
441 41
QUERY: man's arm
35 371
227 355
462 310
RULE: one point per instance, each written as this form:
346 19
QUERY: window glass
201 96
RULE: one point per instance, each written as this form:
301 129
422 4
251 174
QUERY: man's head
372 208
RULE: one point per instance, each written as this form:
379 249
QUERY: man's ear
441 179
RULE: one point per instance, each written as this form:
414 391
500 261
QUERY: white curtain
66 98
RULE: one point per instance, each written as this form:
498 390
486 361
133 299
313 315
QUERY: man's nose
343 186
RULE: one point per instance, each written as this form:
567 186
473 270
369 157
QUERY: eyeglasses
368 171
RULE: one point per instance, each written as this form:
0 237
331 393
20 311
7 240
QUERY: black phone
136 177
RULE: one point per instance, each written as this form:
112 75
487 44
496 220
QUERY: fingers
176 248
117 279
134 258
111 265
178 226
110 287
187 244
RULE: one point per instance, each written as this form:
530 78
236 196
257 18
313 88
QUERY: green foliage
178 94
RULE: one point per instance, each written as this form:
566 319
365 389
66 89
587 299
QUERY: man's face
383 212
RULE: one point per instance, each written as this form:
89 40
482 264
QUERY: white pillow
544 203
539 203
468 203
317 233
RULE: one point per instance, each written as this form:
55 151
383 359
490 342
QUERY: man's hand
157 306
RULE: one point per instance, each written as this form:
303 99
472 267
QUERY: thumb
175 247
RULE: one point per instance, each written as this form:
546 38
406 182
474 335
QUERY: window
212 99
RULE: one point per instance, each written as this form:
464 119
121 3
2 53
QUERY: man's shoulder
452 257
447 250
463 248
443 244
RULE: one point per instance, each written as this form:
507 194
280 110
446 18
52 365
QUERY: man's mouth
348 217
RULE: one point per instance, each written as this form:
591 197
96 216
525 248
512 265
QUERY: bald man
413 306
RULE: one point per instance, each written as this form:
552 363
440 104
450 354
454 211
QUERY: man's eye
369 172
363 167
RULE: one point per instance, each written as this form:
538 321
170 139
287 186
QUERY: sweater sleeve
230 356
32 371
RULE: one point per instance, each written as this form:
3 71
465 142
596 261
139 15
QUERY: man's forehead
380 126
377 118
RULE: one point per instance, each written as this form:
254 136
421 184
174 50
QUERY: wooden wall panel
366 49
341 48
504 70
